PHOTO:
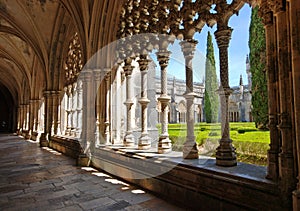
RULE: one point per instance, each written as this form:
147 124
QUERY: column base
28 135
296 200
190 150
225 155
83 160
144 142
44 142
164 145
272 172
129 140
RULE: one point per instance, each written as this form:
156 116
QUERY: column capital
143 63
97 74
86 75
188 47
163 57
266 13
223 36
128 68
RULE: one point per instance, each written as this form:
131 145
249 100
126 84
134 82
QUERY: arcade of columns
182 19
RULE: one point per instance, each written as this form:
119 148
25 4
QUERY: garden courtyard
251 143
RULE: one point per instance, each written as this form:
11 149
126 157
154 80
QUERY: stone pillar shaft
190 150
97 78
295 26
144 140
129 138
79 108
164 143
225 155
107 103
286 156
273 102
74 109
88 115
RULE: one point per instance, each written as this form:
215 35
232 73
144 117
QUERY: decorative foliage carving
73 63
181 18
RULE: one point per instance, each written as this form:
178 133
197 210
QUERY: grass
251 144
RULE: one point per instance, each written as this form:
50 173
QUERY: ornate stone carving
73 63
164 143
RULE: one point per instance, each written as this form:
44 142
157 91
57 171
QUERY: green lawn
251 144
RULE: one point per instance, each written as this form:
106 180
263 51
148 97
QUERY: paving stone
100 202
31 178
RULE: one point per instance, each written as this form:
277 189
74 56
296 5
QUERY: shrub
241 131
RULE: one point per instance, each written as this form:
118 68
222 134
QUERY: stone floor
34 178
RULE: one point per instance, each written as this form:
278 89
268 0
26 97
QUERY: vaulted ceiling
34 39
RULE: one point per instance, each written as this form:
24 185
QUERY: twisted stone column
225 155
129 138
190 150
164 143
144 140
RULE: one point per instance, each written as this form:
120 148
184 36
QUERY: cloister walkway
34 178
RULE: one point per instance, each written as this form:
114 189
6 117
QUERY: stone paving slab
34 178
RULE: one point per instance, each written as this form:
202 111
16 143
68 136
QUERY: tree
257 45
211 98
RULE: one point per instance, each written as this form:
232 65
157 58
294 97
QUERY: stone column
88 114
272 78
55 96
107 104
144 140
190 150
74 109
79 108
68 112
129 138
31 119
295 26
19 120
27 120
286 157
58 114
22 118
97 79
164 143
44 139
225 155
35 115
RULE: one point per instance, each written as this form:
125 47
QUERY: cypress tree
257 45
211 98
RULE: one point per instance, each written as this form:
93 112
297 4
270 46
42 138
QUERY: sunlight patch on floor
51 151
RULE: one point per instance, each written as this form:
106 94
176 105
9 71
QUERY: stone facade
239 100
177 105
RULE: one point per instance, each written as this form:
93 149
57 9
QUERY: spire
247 59
241 80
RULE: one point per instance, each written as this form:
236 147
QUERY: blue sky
238 50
